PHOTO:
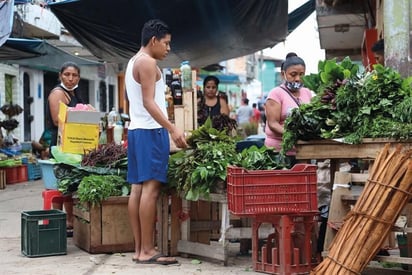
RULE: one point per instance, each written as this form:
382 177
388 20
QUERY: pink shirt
287 104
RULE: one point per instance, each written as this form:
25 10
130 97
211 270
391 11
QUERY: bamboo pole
365 227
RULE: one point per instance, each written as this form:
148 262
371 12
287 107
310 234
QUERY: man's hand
179 138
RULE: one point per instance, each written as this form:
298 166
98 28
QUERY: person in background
378 50
256 114
148 139
282 99
211 104
261 108
244 114
67 93
41 148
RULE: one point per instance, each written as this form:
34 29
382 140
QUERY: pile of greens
352 105
101 173
197 171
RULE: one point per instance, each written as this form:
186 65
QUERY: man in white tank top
148 139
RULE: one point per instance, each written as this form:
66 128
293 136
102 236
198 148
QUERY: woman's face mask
293 86
293 76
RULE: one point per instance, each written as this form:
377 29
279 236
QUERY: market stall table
339 152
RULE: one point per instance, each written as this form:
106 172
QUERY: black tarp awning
37 53
204 32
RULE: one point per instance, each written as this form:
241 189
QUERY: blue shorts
147 155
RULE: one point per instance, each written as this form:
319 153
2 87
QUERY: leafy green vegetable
352 105
96 188
202 169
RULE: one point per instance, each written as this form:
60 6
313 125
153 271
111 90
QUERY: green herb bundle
97 188
352 105
198 171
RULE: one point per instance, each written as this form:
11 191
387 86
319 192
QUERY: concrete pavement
27 197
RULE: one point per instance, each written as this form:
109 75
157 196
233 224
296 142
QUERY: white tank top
139 116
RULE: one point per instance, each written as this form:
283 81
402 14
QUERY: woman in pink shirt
282 99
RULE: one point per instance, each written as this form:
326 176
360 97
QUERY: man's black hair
379 46
156 28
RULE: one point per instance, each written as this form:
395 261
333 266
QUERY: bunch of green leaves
96 188
255 158
329 72
366 101
368 104
309 121
206 133
195 172
69 176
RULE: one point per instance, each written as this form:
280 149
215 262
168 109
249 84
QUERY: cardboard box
78 130
103 228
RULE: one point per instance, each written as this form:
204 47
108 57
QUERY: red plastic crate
290 249
16 174
258 192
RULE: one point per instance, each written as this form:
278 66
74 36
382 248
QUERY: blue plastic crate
34 171
49 179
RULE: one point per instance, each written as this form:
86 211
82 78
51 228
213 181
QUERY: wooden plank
203 214
95 226
394 259
3 181
330 149
194 86
193 217
185 225
359 177
246 232
82 212
115 225
209 251
175 234
101 234
162 237
205 225
188 110
338 209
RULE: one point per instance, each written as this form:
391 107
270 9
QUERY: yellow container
78 130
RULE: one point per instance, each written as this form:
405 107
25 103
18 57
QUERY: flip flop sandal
155 260
69 232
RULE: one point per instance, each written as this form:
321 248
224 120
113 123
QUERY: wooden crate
3 179
103 228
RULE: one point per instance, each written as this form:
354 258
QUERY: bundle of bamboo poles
365 228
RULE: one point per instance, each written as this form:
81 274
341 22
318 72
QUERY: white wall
37 109
13 71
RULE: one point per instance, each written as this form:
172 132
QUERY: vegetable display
352 105
202 169
102 171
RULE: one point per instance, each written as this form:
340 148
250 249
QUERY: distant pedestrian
256 114
244 113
